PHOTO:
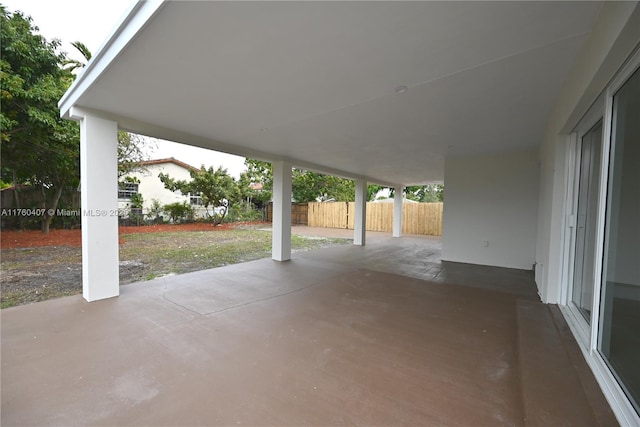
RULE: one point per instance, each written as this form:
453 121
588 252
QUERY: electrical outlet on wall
485 243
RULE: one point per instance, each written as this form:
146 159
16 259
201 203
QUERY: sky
91 22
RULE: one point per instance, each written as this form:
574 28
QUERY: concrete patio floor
384 334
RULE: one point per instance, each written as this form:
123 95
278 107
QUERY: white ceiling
313 82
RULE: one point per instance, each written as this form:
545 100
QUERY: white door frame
587 335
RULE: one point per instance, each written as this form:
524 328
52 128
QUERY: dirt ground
11 239
37 267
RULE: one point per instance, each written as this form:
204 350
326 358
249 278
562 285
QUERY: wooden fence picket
417 218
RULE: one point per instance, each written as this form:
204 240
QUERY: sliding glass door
619 329
601 301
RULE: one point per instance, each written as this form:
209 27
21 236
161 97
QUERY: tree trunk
49 211
16 198
16 194
46 222
220 218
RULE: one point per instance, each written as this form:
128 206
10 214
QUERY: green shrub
242 212
155 212
137 201
179 212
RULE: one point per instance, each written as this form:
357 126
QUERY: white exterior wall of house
516 201
491 208
612 41
152 188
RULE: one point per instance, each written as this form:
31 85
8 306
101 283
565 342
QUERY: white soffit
315 82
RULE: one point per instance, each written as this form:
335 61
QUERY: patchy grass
13 298
177 253
41 273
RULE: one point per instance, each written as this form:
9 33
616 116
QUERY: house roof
383 91
167 160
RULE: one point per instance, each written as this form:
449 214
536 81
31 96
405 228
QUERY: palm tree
130 146
74 64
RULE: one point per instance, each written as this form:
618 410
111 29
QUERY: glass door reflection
586 221
619 340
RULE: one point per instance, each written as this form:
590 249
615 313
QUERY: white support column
397 211
99 201
281 223
360 223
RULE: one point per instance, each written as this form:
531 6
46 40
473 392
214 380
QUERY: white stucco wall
152 188
610 44
491 199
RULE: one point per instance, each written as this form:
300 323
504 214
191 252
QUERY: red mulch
32 238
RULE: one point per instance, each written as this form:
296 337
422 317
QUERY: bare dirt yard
36 267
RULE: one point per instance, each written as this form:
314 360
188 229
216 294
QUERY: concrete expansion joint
236 306
166 298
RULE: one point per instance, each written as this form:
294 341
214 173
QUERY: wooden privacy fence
417 218
329 214
298 213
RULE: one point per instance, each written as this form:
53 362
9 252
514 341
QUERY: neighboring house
151 188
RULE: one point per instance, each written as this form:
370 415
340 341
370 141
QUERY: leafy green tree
217 188
427 193
424 193
310 186
131 153
38 147
131 147
372 191
258 173
307 186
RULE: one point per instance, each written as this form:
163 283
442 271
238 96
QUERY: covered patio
383 334
493 98
395 94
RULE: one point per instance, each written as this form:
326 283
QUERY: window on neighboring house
126 190
195 200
